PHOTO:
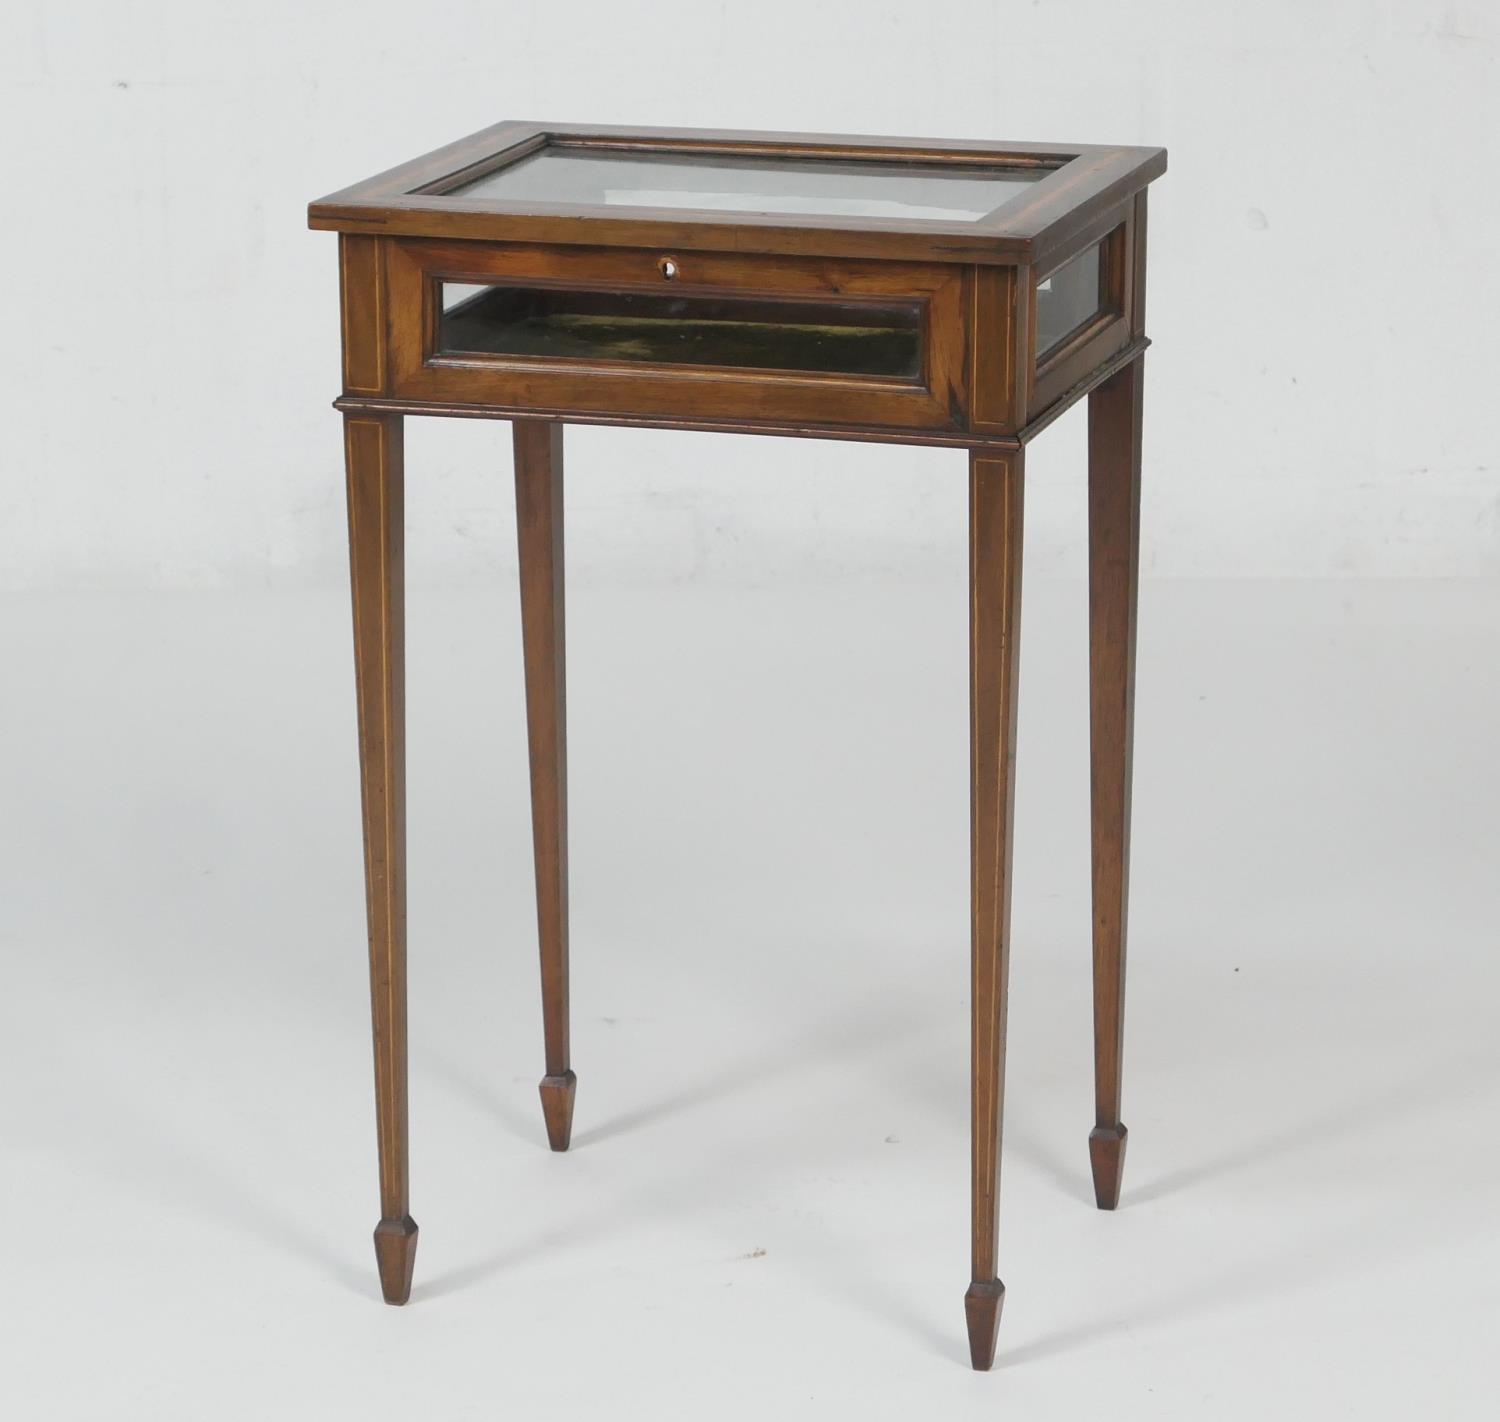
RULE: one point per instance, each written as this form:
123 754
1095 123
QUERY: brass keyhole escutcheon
668 268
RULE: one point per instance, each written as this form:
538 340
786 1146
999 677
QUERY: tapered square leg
539 524
373 456
395 1255
1107 1162
982 1307
995 518
1114 573
557 1108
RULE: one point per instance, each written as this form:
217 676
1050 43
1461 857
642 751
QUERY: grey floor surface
765 1209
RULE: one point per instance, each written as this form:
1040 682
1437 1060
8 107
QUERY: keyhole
668 266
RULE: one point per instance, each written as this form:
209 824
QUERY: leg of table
373 456
995 504
1114 564
539 523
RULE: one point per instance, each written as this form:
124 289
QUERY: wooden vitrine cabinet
957 294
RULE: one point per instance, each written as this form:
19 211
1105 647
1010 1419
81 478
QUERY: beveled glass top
726 183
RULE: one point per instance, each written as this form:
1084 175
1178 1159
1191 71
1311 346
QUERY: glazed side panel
416 368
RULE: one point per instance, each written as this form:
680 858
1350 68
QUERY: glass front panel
750 332
1069 298
717 182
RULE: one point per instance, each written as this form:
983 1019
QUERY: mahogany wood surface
1082 180
979 385
996 499
539 527
867 434
1114 575
373 454
418 370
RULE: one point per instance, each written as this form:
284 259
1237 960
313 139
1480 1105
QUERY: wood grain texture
982 1308
1030 430
934 399
1107 1163
557 1093
782 429
539 527
1114 572
373 455
996 489
1055 373
999 348
396 1257
966 288
1080 181
361 298
1138 268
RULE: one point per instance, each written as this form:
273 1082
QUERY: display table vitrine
954 294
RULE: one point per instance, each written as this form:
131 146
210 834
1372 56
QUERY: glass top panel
724 183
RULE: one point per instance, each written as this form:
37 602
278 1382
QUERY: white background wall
764 1209
1323 289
